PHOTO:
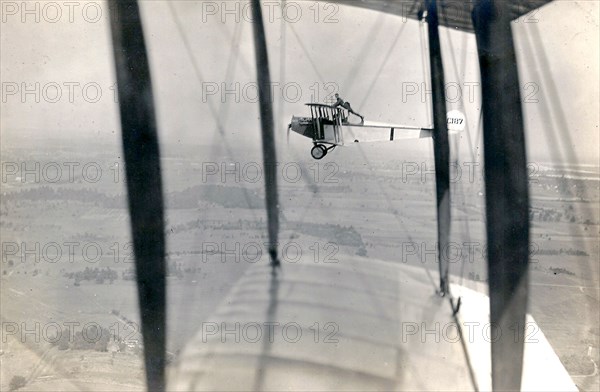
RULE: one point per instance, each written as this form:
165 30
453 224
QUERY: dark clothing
339 102
345 105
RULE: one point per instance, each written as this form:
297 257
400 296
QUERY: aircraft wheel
318 151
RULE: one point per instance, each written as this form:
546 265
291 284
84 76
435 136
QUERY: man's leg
356 114
347 106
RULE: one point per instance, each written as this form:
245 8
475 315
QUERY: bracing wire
548 106
231 66
467 232
200 77
364 51
383 64
282 73
307 54
369 164
425 68
389 202
282 62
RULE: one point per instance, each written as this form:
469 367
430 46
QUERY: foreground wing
353 325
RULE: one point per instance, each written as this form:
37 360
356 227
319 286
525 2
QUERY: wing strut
268 135
441 149
507 198
144 184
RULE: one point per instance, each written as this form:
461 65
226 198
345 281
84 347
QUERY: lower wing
356 324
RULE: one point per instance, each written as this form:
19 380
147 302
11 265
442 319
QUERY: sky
58 77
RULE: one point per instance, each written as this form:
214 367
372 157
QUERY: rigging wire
454 307
554 135
464 44
559 115
369 164
373 32
479 134
472 147
269 162
231 67
245 66
282 74
425 68
383 64
282 61
219 115
389 202
461 192
216 115
307 54
367 46
310 181
550 107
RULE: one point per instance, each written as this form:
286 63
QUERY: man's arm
337 103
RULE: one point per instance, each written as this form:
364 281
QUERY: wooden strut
441 148
144 183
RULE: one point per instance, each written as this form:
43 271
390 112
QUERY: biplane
326 124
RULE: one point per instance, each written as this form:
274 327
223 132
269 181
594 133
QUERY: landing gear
318 151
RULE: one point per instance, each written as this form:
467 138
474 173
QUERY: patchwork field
67 264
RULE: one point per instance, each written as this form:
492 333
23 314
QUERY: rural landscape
70 317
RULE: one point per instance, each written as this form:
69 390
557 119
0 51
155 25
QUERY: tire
318 151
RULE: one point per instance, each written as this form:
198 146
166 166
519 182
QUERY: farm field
67 260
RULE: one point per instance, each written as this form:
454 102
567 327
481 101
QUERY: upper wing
453 14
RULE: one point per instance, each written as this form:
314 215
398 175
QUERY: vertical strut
507 197
268 136
441 149
144 184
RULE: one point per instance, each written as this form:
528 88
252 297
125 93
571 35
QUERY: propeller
288 133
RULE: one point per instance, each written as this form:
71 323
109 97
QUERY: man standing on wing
346 105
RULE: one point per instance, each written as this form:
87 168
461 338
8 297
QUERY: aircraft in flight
327 124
